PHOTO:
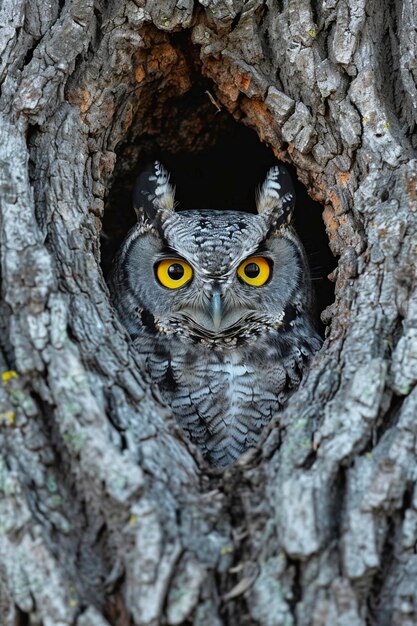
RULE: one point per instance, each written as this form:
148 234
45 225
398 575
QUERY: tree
107 516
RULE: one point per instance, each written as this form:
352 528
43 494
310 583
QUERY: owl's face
208 274
214 272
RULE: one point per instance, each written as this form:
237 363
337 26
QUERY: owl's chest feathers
204 377
217 386
223 394
223 397
273 358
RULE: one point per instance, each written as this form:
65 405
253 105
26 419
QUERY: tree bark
108 517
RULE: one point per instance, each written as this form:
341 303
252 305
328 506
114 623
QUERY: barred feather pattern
225 383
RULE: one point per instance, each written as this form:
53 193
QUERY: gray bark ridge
108 517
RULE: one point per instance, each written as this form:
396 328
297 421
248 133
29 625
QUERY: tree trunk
108 517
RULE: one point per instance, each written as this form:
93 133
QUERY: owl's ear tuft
276 198
153 195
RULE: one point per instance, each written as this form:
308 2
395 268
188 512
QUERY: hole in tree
215 163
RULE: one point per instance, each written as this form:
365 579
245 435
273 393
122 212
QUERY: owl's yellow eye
173 273
254 271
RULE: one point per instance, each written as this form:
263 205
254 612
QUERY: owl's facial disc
215 301
254 271
222 306
213 275
213 317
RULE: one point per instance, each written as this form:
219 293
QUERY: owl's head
212 275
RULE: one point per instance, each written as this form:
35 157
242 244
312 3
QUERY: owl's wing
153 194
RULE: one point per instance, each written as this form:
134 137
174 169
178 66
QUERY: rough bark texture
107 516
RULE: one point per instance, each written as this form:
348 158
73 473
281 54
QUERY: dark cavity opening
215 163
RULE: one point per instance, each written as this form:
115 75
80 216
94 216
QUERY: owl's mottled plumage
226 355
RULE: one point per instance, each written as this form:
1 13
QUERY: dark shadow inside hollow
215 163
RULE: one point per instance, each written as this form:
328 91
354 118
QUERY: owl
220 307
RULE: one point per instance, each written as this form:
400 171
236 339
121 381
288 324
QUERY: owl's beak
216 309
